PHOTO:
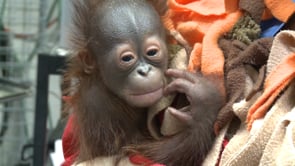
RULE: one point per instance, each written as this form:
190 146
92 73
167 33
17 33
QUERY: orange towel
201 23
276 81
280 9
212 58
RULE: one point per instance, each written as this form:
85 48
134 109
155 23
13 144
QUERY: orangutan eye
127 58
152 52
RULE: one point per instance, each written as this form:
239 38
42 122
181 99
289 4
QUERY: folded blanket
280 148
248 148
238 55
271 138
280 72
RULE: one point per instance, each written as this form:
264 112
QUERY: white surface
57 156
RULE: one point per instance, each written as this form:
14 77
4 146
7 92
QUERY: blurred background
30 29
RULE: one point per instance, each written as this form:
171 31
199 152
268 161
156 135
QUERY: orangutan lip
148 92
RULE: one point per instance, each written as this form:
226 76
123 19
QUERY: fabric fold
280 72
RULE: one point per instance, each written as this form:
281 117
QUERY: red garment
224 143
140 160
68 142
70 154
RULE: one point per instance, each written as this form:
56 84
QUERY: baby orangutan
116 73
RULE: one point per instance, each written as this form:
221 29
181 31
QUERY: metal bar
46 65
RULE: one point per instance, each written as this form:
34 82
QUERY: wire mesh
27 27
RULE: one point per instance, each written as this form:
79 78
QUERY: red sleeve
140 160
70 153
68 143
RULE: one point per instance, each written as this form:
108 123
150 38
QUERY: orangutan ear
87 61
